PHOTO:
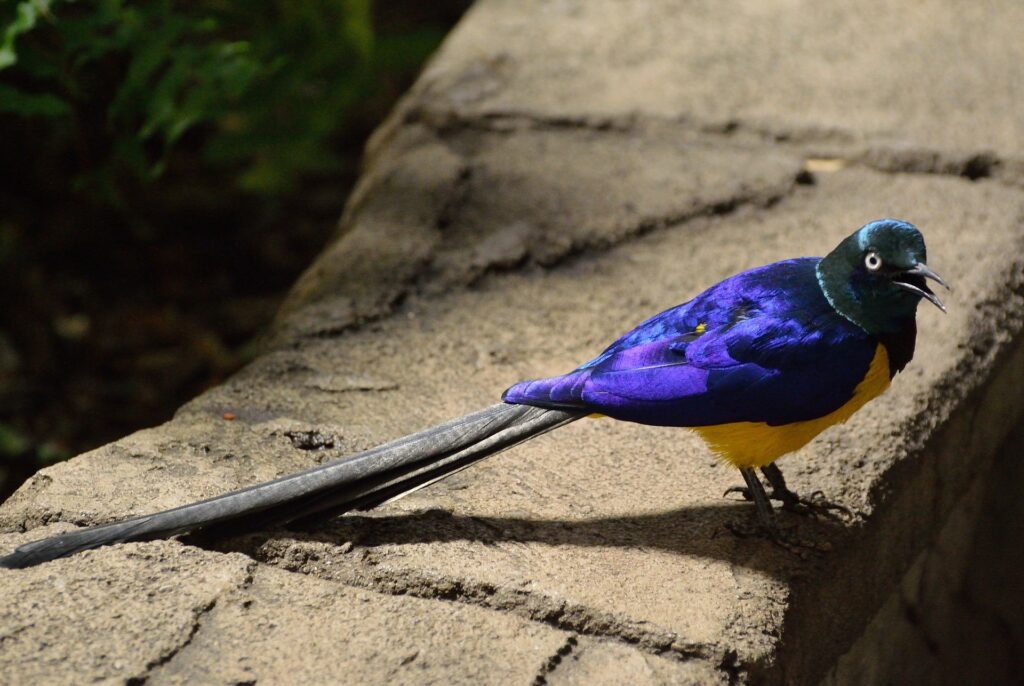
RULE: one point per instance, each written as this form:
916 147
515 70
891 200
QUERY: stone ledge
505 228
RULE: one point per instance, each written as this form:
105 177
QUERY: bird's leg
780 491
767 526
792 502
760 498
751 492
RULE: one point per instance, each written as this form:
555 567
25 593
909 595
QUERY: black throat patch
900 347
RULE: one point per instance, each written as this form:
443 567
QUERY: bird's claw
815 505
742 490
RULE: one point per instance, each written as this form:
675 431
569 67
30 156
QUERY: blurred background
169 168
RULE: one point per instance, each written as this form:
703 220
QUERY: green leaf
24 104
12 441
25 16
357 26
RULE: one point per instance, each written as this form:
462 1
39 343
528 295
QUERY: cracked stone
937 73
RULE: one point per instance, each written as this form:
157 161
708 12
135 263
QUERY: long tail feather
360 481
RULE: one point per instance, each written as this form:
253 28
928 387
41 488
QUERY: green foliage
258 87
16 445
26 14
12 441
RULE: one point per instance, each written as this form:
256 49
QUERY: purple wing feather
770 348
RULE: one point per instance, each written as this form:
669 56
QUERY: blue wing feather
770 349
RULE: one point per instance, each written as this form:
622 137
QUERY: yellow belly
756 444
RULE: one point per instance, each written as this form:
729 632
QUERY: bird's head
878 275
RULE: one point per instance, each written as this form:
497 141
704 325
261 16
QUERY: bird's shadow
704 531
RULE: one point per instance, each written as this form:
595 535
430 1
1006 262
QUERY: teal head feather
878 275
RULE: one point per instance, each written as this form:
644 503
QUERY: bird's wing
751 365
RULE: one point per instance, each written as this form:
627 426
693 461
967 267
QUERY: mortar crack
307 558
971 165
883 156
581 248
445 121
199 615
422 281
551 664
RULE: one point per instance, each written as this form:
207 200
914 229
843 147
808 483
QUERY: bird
757 365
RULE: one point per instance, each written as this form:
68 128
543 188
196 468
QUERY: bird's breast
755 444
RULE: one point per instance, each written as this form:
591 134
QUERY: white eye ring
872 261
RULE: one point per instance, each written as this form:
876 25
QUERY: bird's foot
817 505
814 506
767 524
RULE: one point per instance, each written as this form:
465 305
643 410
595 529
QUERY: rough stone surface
937 74
947 600
561 171
190 616
495 200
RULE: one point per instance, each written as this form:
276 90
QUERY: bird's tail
360 481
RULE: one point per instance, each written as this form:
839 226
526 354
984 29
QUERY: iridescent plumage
761 346
765 360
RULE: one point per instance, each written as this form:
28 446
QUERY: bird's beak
916 283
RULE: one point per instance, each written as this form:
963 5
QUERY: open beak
915 281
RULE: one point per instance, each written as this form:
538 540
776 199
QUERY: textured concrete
963 592
938 74
561 171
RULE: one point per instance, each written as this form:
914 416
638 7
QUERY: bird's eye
872 261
